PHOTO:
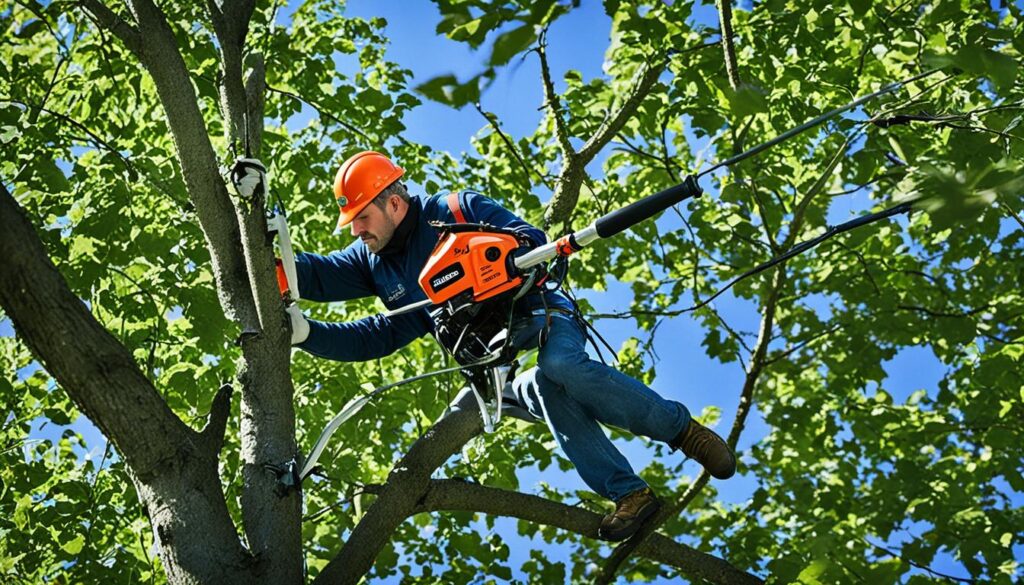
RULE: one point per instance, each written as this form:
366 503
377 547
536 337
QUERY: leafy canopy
846 467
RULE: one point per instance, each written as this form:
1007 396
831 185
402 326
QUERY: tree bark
272 521
236 237
725 26
174 468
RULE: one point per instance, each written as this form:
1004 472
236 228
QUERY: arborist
573 393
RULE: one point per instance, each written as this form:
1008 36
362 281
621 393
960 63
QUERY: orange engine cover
469 260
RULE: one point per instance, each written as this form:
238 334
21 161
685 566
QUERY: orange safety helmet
361 178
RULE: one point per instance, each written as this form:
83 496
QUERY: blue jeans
574 393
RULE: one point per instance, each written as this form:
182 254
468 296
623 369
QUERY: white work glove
300 326
248 176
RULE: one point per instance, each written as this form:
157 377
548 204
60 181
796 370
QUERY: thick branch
451 494
97 371
725 24
157 50
552 101
268 421
176 480
757 361
231 24
407 484
272 524
217 422
251 215
113 22
255 99
573 173
640 87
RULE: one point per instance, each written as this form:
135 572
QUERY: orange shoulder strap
453 204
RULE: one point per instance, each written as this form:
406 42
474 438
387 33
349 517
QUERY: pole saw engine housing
471 260
472 282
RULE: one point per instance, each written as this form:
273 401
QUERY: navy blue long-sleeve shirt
355 272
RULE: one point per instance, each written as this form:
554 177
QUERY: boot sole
630 530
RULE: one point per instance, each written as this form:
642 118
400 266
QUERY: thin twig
92 510
1013 214
493 121
325 114
99 142
900 558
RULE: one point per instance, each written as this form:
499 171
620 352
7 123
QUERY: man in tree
568 389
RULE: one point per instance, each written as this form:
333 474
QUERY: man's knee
559 365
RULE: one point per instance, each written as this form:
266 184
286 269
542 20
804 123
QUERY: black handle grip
634 213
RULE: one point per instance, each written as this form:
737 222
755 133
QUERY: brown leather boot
630 513
705 447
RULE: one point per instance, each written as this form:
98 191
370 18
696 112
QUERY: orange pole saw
477 260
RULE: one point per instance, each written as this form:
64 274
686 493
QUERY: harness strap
453 204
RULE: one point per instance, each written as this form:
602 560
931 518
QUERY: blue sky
578 41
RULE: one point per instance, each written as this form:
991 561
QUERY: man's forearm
328 279
362 340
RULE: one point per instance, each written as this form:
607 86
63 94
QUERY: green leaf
83 247
475 31
44 175
447 90
811 572
746 101
73 547
9 133
511 43
30 29
459 16
887 571
1000 68
21 511
860 7
440 89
